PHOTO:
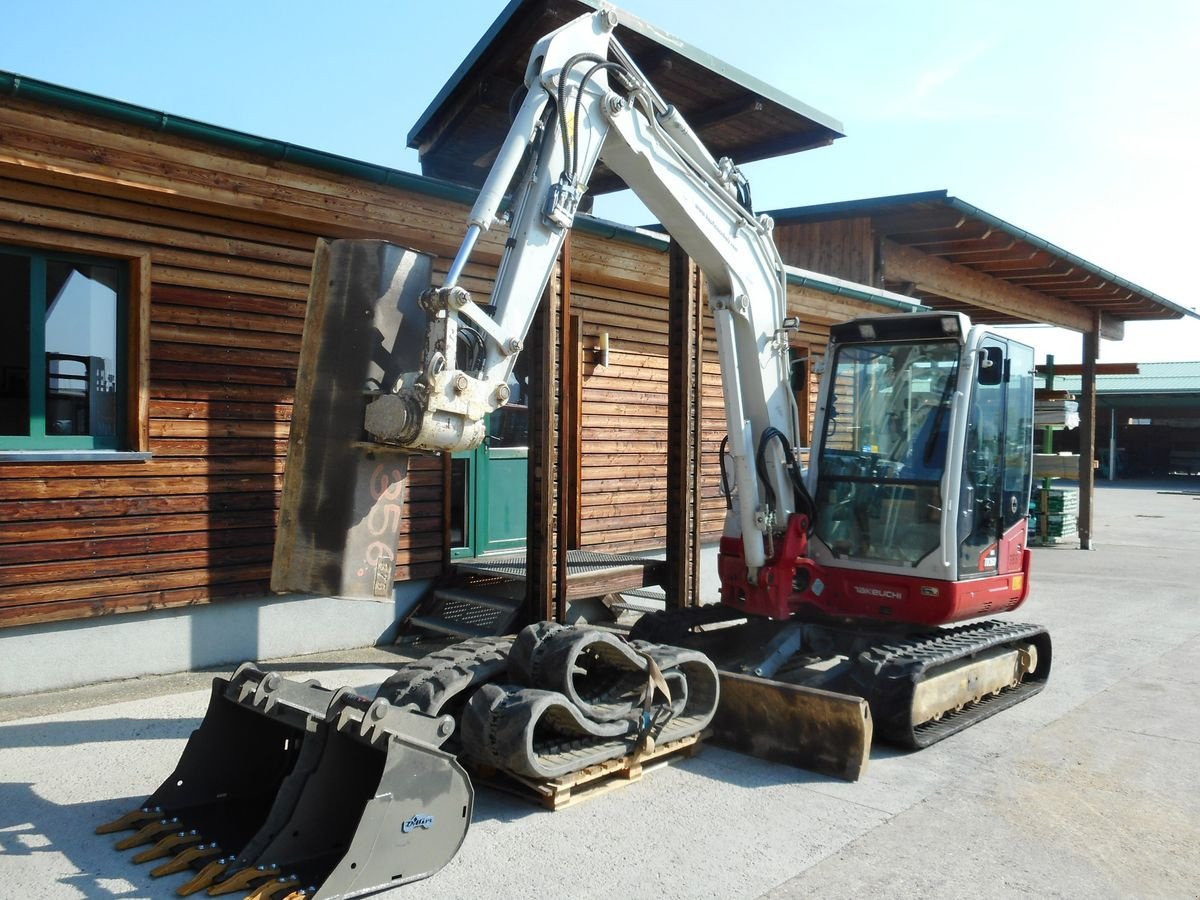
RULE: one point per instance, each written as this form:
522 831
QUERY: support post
684 365
542 516
1087 435
565 422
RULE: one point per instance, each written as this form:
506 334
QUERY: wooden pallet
569 790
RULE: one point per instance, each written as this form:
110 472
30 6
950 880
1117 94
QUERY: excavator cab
922 469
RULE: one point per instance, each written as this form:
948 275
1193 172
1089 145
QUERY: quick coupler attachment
290 790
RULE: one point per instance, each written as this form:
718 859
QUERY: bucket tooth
132 819
243 880
184 859
206 876
169 845
273 890
147 833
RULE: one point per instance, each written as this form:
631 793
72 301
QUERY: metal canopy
1154 378
953 230
734 114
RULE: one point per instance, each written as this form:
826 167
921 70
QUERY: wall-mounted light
602 350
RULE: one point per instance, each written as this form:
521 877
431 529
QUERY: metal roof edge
848 208
464 67
1043 244
734 74
633 23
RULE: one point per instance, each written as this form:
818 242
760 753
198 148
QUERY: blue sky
1077 121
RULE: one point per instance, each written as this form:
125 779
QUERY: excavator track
921 688
894 672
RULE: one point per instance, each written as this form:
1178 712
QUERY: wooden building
155 271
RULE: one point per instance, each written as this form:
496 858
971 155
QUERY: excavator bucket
290 790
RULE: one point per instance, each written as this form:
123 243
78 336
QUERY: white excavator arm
571 118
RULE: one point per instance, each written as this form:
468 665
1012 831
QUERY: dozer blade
366 800
799 726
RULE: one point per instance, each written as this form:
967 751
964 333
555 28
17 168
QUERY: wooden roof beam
726 112
937 276
910 221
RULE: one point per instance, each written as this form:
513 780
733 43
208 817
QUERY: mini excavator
852 591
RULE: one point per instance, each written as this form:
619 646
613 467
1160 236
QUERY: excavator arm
586 102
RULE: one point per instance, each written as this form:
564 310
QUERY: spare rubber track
891 671
433 682
581 701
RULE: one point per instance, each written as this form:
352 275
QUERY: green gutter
827 284
278 151
849 209
604 228
37 91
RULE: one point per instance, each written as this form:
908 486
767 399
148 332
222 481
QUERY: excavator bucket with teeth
290 790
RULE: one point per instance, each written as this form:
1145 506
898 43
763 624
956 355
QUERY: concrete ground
1091 789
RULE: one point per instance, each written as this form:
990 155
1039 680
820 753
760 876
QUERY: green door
490 488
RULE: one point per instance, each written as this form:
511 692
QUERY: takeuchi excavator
912 513
851 590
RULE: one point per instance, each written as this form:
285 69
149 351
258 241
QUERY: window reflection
81 349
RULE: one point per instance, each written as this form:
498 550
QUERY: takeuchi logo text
417 821
878 592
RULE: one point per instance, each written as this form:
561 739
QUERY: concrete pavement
1091 789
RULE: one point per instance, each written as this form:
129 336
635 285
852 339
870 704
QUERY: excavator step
467 612
468 597
445 626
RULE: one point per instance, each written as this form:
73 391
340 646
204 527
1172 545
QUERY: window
63 354
883 453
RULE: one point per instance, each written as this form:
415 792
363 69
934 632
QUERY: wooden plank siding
844 248
195 523
230 237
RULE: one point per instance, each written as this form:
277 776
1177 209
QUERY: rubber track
893 670
536 731
436 680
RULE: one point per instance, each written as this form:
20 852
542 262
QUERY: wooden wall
230 241
844 248
227 238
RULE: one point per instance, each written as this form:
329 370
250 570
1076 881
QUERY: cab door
997 463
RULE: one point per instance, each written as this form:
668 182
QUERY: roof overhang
734 114
942 231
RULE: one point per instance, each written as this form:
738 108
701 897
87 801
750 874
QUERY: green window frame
37 371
